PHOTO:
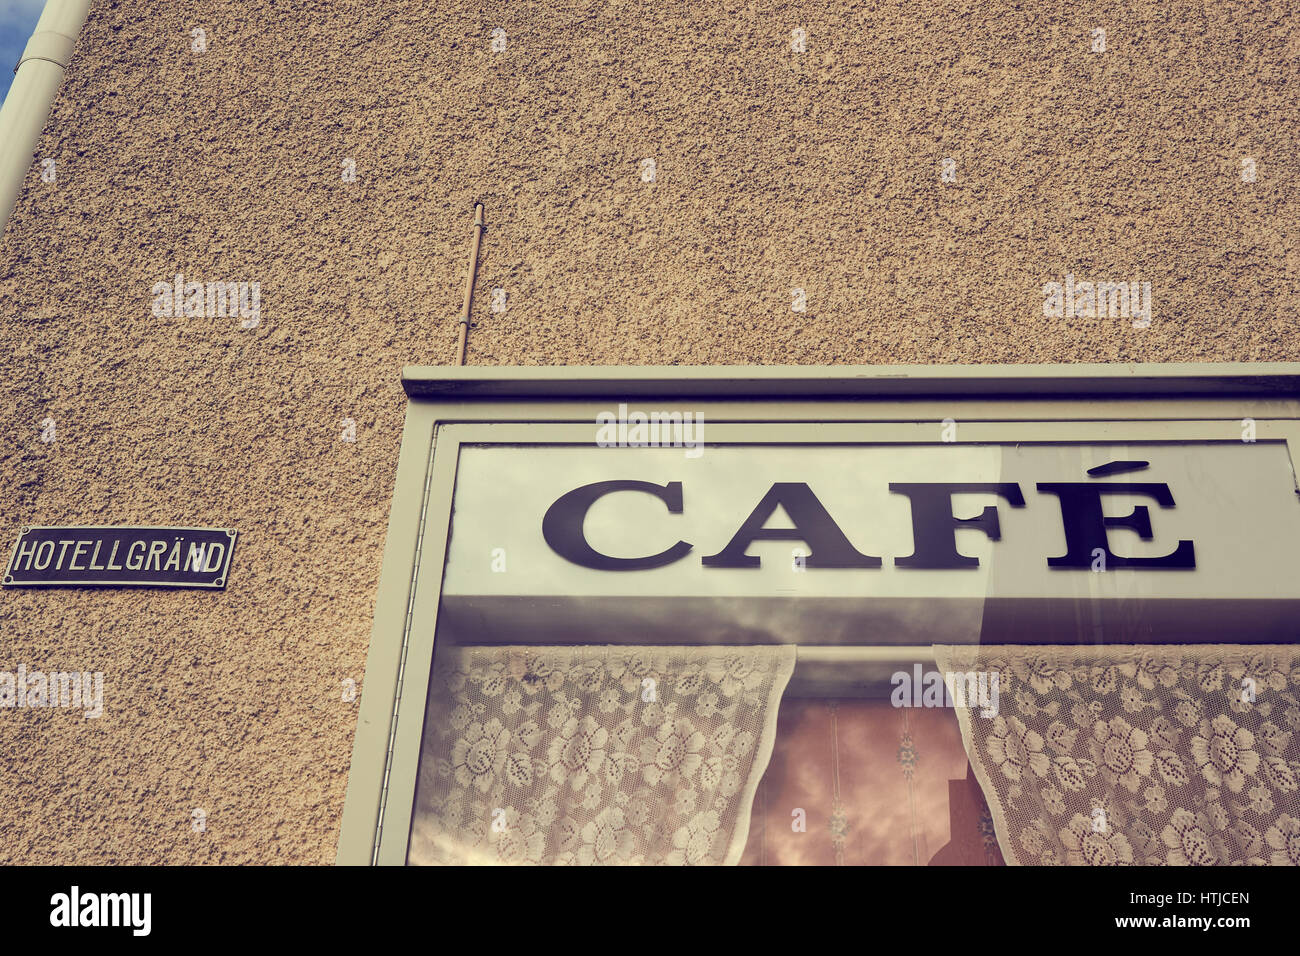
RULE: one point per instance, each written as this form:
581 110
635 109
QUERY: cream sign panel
1034 521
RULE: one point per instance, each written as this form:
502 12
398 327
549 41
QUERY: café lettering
934 526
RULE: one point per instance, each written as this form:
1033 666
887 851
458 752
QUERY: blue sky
17 19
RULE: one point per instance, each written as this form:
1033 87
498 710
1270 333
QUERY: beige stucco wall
775 170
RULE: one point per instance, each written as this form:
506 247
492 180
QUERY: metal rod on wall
469 285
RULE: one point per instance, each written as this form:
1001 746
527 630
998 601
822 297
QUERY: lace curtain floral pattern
1150 755
594 755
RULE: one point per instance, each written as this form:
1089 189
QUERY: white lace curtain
1114 755
595 755
1118 755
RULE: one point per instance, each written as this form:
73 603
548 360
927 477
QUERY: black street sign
120 557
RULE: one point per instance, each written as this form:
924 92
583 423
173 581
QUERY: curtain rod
840 654
862 654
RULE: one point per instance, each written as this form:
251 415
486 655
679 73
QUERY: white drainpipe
36 80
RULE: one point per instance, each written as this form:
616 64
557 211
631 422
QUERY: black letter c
563 526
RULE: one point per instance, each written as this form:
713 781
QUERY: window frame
450 407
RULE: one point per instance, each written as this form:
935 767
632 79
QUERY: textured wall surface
774 170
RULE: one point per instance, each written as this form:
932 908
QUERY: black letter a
813 526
